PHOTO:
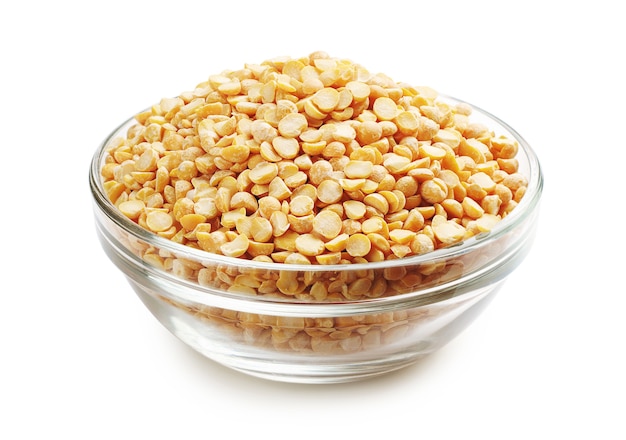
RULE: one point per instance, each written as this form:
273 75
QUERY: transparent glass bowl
417 304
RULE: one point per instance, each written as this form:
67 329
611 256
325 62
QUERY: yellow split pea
312 160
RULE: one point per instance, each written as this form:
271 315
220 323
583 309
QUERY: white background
83 359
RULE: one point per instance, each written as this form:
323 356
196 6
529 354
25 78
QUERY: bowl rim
526 207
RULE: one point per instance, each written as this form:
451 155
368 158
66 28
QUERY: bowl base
328 374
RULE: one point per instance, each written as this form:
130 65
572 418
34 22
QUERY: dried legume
311 161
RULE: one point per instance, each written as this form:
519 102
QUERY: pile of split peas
312 160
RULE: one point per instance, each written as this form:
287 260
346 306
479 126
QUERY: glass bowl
318 323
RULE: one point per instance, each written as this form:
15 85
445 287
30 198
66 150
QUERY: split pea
287 148
311 160
159 221
358 245
301 205
132 208
358 169
327 224
329 191
263 173
309 245
326 99
385 109
236 247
